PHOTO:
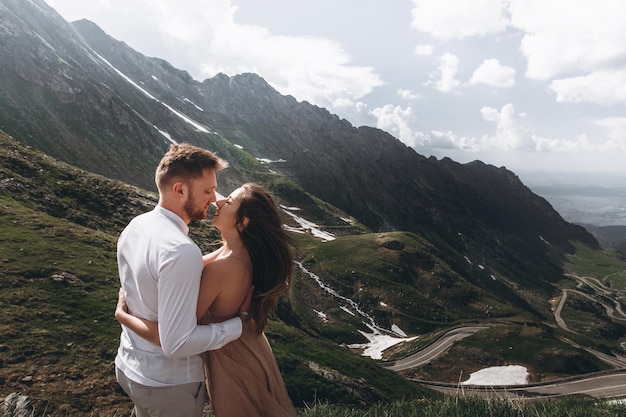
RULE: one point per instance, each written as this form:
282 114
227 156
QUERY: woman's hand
121 307
244 308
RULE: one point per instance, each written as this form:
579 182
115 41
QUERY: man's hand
244 308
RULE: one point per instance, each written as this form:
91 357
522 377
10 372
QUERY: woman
242 377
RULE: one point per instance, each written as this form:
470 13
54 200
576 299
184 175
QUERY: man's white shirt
160 269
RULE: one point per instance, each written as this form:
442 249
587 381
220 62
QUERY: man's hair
184 162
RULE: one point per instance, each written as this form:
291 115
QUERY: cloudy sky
533 85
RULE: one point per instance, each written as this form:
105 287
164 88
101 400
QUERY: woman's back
224 285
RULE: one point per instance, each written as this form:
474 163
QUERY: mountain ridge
129 107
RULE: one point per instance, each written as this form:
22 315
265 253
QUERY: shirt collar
173 217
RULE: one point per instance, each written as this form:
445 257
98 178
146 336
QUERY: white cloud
616 131
601 87
560 36
450 140
424 50
310 68
454 19
407 94
400 123
492 73
565 36
512 133
513 137
447 71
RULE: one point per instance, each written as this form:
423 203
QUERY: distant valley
596 202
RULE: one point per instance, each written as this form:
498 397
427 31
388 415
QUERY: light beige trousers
185 400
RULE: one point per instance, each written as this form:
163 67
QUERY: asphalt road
608 384
605 384
433 350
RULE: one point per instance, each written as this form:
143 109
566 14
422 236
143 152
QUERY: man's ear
179 189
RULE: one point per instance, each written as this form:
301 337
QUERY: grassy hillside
58 288
57 292
401 279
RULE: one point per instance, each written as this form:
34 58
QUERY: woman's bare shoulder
229 278
229 262
227 267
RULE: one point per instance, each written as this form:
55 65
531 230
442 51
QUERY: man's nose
215 196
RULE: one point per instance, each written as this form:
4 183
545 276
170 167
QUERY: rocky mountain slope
88 99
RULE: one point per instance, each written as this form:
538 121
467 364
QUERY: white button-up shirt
160 269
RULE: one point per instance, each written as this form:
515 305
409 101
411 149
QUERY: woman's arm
146 329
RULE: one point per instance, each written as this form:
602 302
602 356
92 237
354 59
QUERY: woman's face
225 216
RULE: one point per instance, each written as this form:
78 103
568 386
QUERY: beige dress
243 379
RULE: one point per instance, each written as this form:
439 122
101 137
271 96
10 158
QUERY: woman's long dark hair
269 246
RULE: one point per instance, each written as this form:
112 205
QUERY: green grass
418 290
476 407
58 284
471 406
312 365
606 264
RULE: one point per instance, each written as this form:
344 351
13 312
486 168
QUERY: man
160 269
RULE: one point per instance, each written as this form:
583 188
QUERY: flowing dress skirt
243 379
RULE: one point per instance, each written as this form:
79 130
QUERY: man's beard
191 211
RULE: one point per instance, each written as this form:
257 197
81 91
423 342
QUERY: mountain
609 236
66 96
58 288
420 243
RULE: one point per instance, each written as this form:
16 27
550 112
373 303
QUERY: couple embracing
190 320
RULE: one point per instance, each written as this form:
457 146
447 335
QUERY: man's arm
178 288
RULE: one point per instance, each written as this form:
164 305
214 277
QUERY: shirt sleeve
178 289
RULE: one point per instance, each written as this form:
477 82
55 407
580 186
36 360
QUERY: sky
533 85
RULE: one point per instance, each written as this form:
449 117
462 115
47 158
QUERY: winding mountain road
605 384
609 384
433 350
